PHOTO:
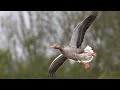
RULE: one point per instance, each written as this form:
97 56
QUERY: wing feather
56 64
81 28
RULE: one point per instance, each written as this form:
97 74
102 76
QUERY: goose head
56 46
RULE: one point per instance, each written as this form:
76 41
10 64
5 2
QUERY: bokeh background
26 37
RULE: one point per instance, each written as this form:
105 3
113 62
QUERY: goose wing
81 28
57 62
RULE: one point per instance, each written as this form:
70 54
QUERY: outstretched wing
81 28
56 64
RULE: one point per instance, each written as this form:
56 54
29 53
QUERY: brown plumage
73 50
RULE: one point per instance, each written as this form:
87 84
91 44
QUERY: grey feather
57 62
81 28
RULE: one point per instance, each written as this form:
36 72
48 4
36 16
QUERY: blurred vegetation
26 37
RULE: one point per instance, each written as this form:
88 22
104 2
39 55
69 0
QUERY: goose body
73 50
70 52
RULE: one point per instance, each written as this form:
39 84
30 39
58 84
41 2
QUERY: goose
73 50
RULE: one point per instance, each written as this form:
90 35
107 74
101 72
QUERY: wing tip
51 75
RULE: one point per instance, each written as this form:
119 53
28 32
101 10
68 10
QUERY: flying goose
73 51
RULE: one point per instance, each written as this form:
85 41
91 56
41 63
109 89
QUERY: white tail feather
88 49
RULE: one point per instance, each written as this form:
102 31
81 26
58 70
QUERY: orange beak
94 54
52 46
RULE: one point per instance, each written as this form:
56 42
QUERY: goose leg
86 65
93 54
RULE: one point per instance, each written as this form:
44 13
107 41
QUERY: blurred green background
26 37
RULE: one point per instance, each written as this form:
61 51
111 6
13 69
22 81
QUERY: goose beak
94 54
52 46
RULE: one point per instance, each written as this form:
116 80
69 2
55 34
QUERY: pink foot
86 65
93 54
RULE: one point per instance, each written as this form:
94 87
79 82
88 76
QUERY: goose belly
76 56
70 52
83 56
